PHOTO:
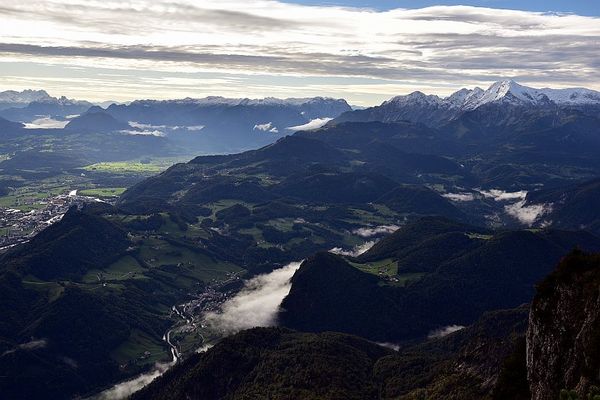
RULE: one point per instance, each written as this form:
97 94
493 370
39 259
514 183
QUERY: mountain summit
12 98
506 91
433 110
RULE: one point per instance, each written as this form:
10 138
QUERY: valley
32 199
161 258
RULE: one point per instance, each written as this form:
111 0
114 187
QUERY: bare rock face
563 338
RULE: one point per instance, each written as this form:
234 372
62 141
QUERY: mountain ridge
433 110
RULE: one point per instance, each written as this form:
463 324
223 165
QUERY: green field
191 266
102 192
144 167
102 180
135 348
388 270
283 224
225 203
125 268
32 197
387 267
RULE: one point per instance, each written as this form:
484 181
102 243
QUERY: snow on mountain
464 96
436 111
576 96
501 92
64 101
510 92
415 98
232 102
24 97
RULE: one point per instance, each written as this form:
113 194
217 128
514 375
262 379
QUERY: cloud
125 389
440 47
527 214
140 125
501 195
390 346
313 124
157 130
376 231
459 197
257 304
34 344
29 346
356 251
144 133
268 127
445 331
46 123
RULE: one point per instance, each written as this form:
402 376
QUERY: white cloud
144 133
527 214
376 230
268 127
366 51
140 125
149 129
459 197
29 346
313 124
257 304
46 123
501 195
125 389
356 251
445 331
390 346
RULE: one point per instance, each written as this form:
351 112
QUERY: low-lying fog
257 304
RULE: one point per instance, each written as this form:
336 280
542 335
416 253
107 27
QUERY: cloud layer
356 250
247 46
125 389
445 331
255 305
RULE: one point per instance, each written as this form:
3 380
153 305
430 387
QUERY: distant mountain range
506 136
31 105
433 110
12 98
224 125
414 107
208 125
219 124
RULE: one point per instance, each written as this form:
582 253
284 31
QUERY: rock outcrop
563 338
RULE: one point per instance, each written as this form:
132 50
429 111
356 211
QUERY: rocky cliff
563 338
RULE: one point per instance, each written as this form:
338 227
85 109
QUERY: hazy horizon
261 48
105 103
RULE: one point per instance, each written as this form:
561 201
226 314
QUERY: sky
581 7
363 51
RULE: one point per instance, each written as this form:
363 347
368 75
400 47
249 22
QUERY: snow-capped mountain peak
502 92
504 99
509 91
574 96
415 98
232 102
24 97
464 96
